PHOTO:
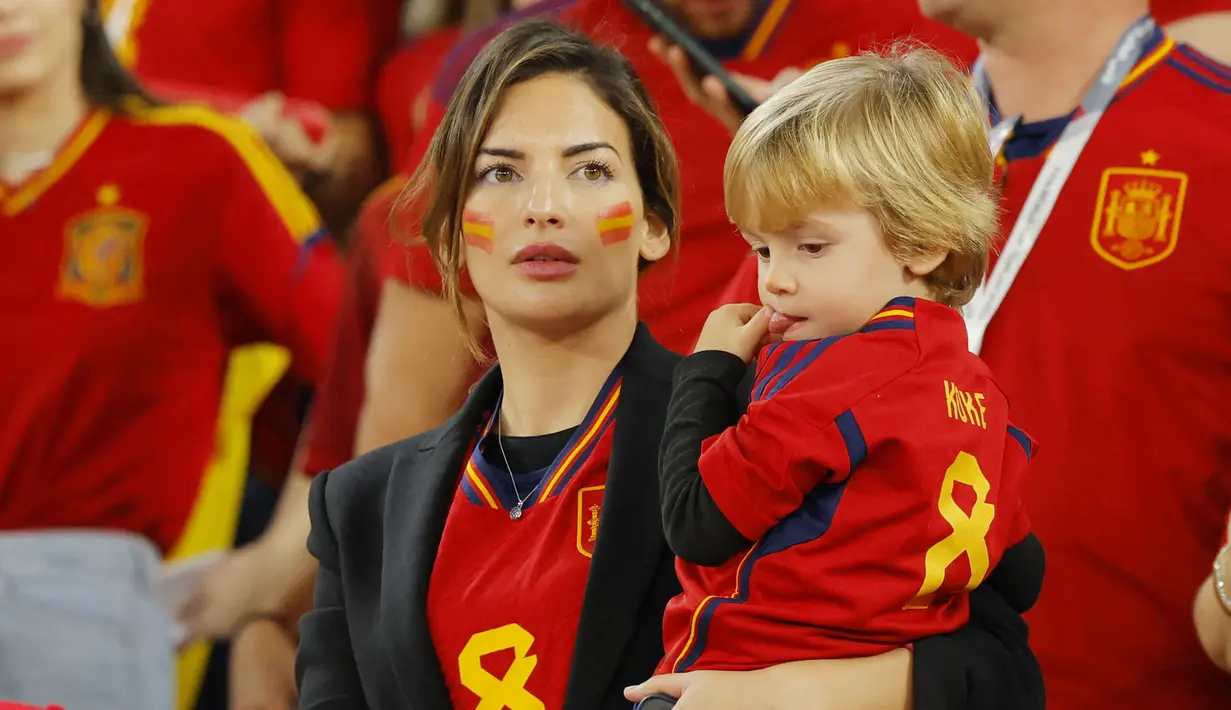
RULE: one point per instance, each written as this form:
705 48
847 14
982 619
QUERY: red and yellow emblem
1137 217
103 250
589 511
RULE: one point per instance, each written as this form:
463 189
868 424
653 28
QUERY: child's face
828 273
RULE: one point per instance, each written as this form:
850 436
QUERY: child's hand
737 328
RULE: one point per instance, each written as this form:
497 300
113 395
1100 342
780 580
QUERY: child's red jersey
879 475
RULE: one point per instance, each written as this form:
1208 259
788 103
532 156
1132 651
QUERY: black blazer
377 523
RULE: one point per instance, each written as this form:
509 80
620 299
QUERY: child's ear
927 263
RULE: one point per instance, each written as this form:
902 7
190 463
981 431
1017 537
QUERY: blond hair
902 134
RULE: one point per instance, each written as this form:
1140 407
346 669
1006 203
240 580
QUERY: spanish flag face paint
615 223
477 230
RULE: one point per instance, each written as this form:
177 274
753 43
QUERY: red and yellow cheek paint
477 230
615 223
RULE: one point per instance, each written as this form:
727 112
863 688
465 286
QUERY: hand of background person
262 668
708 92
287 138
226 593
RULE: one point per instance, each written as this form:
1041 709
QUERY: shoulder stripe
1219 85
811 351
1215 67
774 361
293 207
856 445
1023 440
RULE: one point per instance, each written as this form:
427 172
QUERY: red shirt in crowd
153 245
324 51
339 396
403 90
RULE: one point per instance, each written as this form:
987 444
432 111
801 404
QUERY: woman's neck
39 121
1041 65
551 382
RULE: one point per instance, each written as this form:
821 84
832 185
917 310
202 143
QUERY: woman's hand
874 683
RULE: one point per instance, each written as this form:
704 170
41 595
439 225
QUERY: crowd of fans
212 293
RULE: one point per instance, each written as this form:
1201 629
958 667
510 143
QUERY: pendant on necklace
515 513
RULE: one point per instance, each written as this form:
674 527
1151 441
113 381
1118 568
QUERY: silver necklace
515 513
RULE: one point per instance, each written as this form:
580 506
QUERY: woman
143 243
514 556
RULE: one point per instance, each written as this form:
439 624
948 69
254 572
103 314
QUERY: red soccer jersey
339 398
403 90
151 246
1131 492
677 294
481 633
879 475
318 50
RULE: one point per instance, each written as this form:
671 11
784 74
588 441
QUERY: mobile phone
655 702
703 63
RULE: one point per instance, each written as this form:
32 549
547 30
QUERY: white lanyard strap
1042 199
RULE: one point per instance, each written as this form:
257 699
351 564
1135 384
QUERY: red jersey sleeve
280 273
329 51
339 397
410 261
1167 11
798 431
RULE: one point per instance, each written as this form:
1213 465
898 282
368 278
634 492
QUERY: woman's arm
325 667
985 665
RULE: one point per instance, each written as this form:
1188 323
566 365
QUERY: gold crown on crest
1143 190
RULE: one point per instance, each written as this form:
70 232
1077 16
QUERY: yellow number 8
969 534
498 693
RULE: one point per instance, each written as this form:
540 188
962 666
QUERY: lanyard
1042 198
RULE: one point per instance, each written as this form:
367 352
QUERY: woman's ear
656 242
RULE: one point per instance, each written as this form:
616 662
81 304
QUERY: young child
873 480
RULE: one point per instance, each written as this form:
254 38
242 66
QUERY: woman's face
38 38
554 222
